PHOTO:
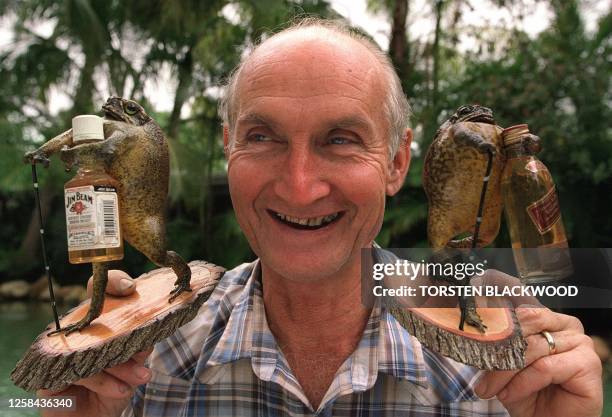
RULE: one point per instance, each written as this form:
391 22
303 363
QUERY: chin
303 268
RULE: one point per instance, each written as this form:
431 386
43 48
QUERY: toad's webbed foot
475 140
100 279
470 316
486 147
37 157
74 327
181 286
473 319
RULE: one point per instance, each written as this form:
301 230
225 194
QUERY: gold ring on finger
552 346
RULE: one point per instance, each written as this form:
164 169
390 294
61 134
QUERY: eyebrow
353 121
256 118
347 122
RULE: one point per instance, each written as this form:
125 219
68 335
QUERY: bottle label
535 166
545 212
92 217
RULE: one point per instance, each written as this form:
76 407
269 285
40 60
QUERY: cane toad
135 153
453 173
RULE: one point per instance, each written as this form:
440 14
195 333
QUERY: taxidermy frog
454 168
453 173
135 153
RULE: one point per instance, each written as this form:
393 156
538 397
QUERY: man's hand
107 393
564 383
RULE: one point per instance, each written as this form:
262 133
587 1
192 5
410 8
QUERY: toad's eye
131 109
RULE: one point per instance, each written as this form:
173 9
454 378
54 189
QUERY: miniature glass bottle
91 202
533 214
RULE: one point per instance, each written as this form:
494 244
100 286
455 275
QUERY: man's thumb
119 284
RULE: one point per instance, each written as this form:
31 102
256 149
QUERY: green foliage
96 49
229 243
558 83
560 86
14 177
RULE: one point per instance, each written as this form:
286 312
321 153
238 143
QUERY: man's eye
258 138
339 140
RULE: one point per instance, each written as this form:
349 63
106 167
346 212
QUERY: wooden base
502 347
126 326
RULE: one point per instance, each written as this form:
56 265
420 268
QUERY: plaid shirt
226 363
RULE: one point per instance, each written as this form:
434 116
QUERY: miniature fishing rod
43 247
483 192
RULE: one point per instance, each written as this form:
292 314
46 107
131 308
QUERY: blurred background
542 62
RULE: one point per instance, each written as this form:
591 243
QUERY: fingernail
123 388
143 373
502 394
125 284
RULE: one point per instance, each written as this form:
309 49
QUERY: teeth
312 221
315 222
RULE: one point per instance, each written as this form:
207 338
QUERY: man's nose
301 180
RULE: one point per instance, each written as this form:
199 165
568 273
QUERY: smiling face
309 167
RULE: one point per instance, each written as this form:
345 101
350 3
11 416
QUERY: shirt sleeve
135 403
129 410
162 396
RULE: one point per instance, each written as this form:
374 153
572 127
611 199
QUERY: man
316 138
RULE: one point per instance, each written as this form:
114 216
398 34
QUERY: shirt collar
450 380
385 347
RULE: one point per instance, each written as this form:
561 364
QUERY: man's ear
226 138
399 166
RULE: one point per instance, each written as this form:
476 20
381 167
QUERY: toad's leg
440 226
468 241
42 154
470 138
100 279
147 235
469 314
100 153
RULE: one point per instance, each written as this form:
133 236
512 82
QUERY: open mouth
306 223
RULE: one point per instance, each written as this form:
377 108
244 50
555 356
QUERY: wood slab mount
126 326
502 347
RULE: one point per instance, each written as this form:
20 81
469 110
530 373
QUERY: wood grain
501 347
126 326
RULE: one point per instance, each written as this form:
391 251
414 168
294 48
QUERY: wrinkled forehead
310 65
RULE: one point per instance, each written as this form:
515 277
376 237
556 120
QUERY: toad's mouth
112 114
306 223
481 118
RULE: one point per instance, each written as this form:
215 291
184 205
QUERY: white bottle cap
87 127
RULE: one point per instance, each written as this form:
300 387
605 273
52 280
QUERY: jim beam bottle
532 211
91 203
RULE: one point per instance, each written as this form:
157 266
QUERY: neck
316 324
326 309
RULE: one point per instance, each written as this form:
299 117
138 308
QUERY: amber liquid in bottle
533 217
95 177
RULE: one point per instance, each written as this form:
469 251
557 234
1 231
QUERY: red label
535 166
545 212
78 207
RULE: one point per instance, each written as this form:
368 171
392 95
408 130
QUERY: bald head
321 49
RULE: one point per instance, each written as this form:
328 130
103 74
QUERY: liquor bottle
532 210
91 202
